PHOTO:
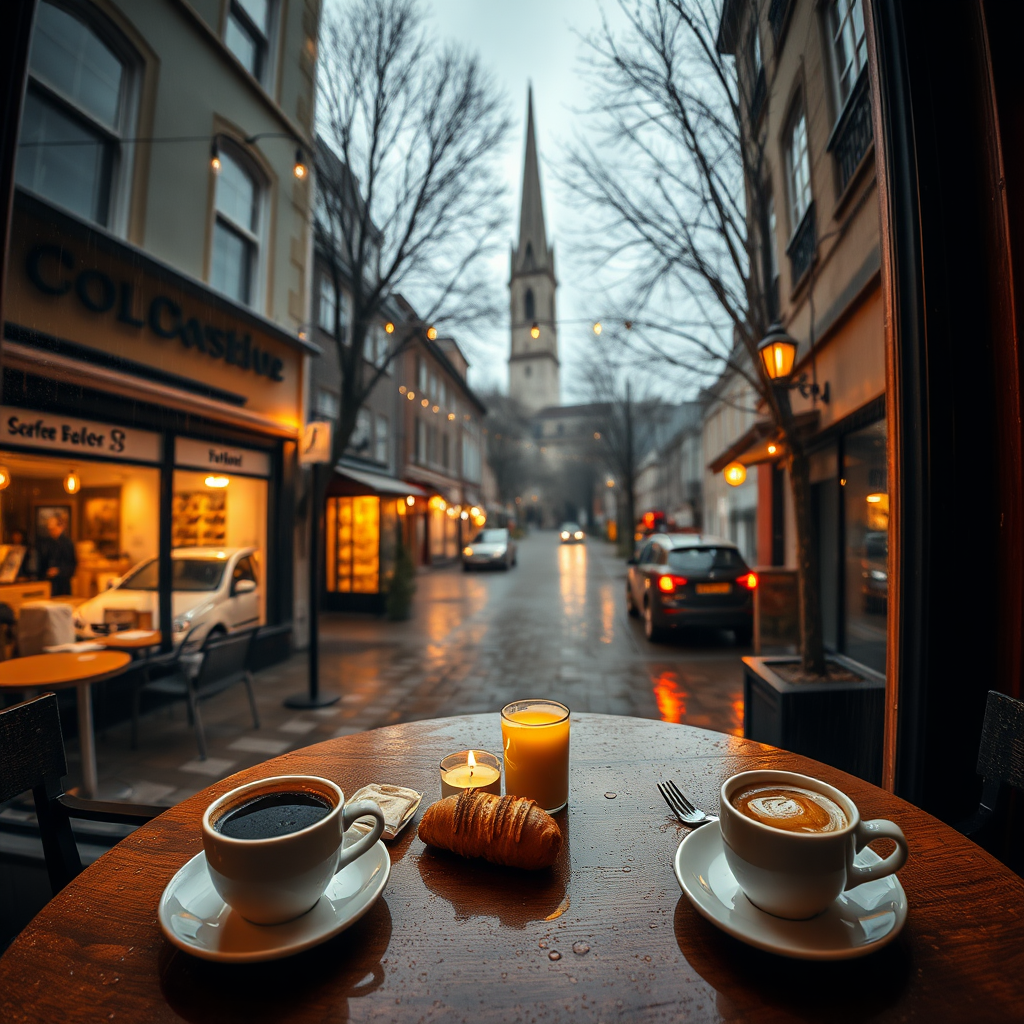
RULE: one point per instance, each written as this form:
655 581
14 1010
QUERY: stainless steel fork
681 806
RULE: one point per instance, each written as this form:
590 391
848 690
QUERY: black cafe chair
1001 767
225 661
32 758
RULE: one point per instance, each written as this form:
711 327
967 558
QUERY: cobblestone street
554 626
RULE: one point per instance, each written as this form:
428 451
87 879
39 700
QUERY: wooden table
81 670
452 940
140 639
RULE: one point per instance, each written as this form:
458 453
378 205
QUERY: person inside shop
56 554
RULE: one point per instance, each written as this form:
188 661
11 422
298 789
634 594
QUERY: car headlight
578 535
565 535
468 552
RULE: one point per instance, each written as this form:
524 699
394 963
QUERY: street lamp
778 355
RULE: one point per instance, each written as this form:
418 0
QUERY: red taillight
749 581
666 584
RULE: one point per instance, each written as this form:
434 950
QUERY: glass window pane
241 42
69 56
76 177
866 504
236 193
381 439
259 12
230 271
326 304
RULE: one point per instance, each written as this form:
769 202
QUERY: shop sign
53 271
26 428
211 455
315 446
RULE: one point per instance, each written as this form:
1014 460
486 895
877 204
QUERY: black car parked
688 579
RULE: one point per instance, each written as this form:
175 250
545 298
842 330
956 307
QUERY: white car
490 548
214 590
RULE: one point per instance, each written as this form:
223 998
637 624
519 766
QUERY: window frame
856 65
122 158
266 73
797 117
233 150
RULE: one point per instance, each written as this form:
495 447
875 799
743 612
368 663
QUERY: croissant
508 830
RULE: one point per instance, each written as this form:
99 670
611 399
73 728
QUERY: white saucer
197 920
862 920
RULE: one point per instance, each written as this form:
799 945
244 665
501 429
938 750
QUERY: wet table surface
453 940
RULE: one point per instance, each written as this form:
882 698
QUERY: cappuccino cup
273 846
790 842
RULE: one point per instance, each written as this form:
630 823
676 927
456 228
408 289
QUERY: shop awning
751 447
378 482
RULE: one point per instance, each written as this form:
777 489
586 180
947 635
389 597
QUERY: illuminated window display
361 540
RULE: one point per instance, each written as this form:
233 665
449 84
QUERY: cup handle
867 832
349 813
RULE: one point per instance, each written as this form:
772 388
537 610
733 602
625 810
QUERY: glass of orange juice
535 736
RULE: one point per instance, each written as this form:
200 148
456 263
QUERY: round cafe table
78 669
132 640
454 940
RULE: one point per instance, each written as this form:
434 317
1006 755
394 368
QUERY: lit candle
470 769
535 737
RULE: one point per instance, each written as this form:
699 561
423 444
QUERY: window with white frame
247 35
236 244
849 46
360 439
328 404
79 92
326 304
798 170
380 439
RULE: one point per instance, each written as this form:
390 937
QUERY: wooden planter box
839 723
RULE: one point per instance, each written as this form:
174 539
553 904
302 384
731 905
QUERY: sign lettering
23 427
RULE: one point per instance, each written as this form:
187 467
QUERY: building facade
158 286
802 68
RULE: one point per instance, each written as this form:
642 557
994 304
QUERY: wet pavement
553 626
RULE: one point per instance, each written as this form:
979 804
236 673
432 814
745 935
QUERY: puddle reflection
671 700
572 579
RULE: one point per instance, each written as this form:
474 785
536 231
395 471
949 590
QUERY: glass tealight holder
470 769
535 740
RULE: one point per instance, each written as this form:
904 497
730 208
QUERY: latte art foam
790 809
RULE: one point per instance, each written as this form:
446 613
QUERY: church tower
533 361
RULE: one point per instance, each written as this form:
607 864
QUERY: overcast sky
522 41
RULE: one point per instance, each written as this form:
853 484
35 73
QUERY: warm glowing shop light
300 170
389 327
432 333
72 483
217 481
735 473
410 500
535 331
876 499
778 353
772 449
5 477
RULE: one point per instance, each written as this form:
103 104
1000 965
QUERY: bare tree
508 435
408 195
675 183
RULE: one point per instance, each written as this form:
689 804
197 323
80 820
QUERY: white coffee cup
276 879
797 875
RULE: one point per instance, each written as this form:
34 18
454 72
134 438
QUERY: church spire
532 252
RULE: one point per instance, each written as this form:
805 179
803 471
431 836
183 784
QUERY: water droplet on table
610 796
554 955
542 944
627 869
580 948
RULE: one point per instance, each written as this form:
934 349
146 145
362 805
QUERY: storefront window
214 512
79 543
866 513
353 545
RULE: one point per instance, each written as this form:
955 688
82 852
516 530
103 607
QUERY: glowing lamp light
424 402
402 389
410 500
300 170
597 328
217 481
451 416
432 333
875 499
389 327
214 157
464 515
479 520
411 395
535 331
778 353
735 473
72 483
435 408
5 477
772 449
468 552
597 435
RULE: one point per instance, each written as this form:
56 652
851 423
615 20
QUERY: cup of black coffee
273 846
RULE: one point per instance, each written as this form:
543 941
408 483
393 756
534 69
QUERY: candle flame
472 761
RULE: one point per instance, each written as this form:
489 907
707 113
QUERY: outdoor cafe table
78 669
453 940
